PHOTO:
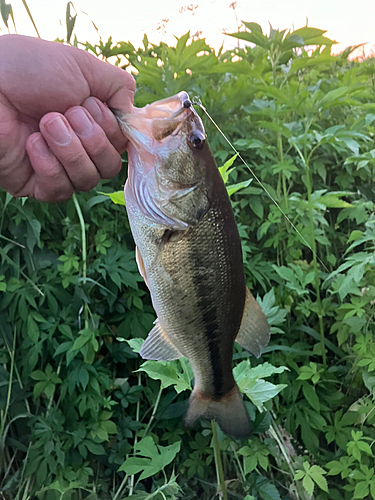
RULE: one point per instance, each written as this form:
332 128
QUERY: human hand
56 133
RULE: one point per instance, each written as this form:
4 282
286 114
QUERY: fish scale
189 253
215 292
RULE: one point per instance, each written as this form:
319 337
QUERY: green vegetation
81 415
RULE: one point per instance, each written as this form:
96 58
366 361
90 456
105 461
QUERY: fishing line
197 102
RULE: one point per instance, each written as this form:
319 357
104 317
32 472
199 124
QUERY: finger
104 156
49 181
107 121
68 149
107 82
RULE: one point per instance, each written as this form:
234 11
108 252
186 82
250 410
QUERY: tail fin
229 412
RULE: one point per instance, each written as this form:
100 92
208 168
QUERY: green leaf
95 448
109 427
156 458
70 22
299 475
83 377
133 465
84 337
316 473
311 396
267 490
308 484
39 388
38 375
244 370
49 389
32 329
364 447
254 27
117 197
5 10
260 391
168 374
275 127
361 490
333 97
135 344
233 188
224 169
253 37
251 463
332 200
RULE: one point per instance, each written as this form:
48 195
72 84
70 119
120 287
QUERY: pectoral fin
254 333
159 346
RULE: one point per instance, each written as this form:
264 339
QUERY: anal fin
159 346
254 332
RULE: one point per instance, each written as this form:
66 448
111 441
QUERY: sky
348 22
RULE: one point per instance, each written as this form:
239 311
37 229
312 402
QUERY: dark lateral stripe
210 323
211 327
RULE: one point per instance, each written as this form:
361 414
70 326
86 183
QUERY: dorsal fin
254 333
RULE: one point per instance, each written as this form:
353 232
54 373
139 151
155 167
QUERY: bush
79 420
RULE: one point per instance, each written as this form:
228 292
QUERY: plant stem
281 158
242 472
315 264
154 411
30 16
218 464
83 236
313 246
84 250
131 482
4 413
119 491
274 432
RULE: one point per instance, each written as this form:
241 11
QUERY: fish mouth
166 108
170 115
161 120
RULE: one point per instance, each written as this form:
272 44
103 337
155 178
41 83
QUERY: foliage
82 417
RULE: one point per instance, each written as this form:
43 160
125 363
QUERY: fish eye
197 141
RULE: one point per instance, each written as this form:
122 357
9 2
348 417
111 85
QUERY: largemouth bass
189 254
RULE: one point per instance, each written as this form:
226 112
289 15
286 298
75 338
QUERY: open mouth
161 119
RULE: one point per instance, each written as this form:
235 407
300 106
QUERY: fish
188 252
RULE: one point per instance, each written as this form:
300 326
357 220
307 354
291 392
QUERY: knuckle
53 193
98 147
62 196
70 110
112 169
73 158
129 81
89 182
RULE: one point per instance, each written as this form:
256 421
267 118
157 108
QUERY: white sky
127 20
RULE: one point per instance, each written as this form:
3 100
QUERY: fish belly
197 288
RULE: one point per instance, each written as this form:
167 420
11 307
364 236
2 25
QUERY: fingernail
94 109
58 130
80 122
40 146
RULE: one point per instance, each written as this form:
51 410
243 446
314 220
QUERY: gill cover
165 171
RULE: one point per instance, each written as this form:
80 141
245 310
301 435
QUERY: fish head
163 133
168 152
